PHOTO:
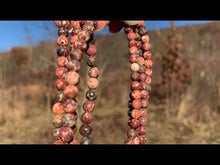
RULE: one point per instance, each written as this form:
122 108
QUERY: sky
22 33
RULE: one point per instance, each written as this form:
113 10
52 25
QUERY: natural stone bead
142 69
134 123
141 130
140 60
135 67
80 44
58 108
143 85
70 105
59 97
56 132
142 30
143 139
73 65
60 72
131 35
62 41
148 63
131 133
91 95
147 55
93 72
71 91
148 80
133 50
57 121
87 117
76 54
148 72
136 104
74 141
136 94
69 120
85 130
93 83
63 31
143 112
136 140
144 103
92 61
135 113
145 38
62 61
72 78
135 76
146 46
88 106
135 85
91 50
142 121
66 134
86 140
144 94
133 58
84 35
143 77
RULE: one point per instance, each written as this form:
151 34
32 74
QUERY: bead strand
141 63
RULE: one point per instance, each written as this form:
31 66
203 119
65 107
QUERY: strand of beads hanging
65 108
141 70
87 34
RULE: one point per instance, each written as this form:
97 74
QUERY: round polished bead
62 41
74 39
131 35
141 130
135 76
93 83
58 108
62 61
60 84
144 94
92 61
75 31
142 121
131 133
133 58
145 38
133 50
136 104
136 94
146 46
60 72
76 54
62 52
135 67
69 120
87 117
72 78
144 103
84 35
74 141
80 44
70 105
73 65
132 43
143 77
57 121
140 60
88 106
135 113
93 72
86 140
143 139
135 85
71 91
56 132
148 72
85 130
143 112
91 95
147 55
148 63
66 134
91 50
142 69
142 30
134 123
59 97
148 80
136 140
143 85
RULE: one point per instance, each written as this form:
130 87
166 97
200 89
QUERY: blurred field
27 88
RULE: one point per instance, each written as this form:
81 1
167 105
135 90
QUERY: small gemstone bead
142 30
143 139
62 52
140 60
133 50
146 46
73 65
143 112
144 103
135 67
76 54
87 117
143 77
88 106
74 39
141 130
62 41
133 58
144 94
91 95
148 80
71 91
84 35
136 104
131 133
75 31
148 72
145 38
135 76
57 121
91 50
93 72
86 140
138 44
143 85
147 55
135 85
70 105
92 61
132 43
63 31
142 121
59 142
60 84
59 97
135 113
62 61
58 108
74 141
92 83
66 134
60 72
136 94
80 44
72 78
131 35
85 130
134 123
148 63
69 120
56 132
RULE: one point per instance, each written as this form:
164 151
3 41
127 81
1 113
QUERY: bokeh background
179 113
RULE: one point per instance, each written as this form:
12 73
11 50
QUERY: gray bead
86 140
92 61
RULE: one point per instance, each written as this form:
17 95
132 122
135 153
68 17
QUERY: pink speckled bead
136 104
60 72
133 50
144 94
60 84
140 60
143 77
142 120
143 85
147 55
91 50
93 72
143 112
66 134
62 61
144 103
143 139
131 35
62 41
135 85
93 83
71 91
145 38
134 123
133 58
146 46
73 65
70 105
88 106
136 94
136 140
148 80
87 117
135 76
72 78
148 63
148 72
135 113
58 108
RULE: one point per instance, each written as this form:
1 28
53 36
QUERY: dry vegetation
27 89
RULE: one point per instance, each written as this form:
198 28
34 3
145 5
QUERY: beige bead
72 78
131 22
135 67
93 83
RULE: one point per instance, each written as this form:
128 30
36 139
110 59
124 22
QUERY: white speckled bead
135 67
